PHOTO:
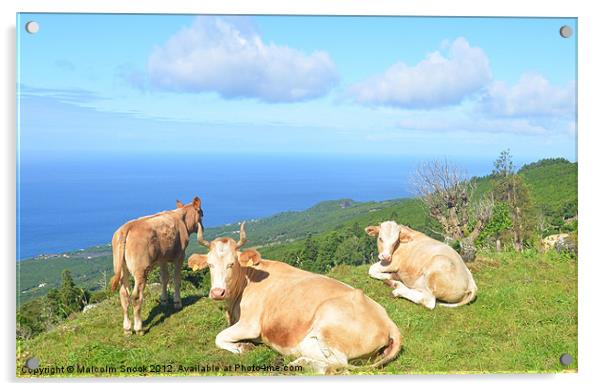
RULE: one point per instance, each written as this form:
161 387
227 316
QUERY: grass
524 318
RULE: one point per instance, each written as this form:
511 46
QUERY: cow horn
199 237
243 236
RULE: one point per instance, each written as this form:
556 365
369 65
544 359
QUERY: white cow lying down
419 268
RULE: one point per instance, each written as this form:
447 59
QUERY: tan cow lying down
144 243
420 268
321 321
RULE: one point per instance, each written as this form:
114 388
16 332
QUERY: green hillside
524 318
36 276
293 225
552 182
553 186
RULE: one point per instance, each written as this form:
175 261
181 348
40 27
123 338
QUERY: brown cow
321 321
144 243
421 269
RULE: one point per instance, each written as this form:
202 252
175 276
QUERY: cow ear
179 204
249 258
196 202
372 230
405 234
197 261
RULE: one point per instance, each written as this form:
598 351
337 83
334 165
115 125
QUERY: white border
589 160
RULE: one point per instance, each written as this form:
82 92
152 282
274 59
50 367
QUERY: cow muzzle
384 257
217 293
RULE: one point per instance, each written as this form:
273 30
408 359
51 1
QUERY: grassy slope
524 318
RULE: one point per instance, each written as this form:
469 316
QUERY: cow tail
118 258
393 348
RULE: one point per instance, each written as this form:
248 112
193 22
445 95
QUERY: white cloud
532 95
441 79
228 56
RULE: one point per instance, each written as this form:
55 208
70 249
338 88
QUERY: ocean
69 203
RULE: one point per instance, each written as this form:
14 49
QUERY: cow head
390 235
193 214
225 264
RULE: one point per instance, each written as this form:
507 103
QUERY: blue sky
97 84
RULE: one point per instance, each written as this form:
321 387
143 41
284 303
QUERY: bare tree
448 197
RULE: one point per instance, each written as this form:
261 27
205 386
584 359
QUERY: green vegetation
498 225
285 226
524 318
89 267
44 313
511 193
553 187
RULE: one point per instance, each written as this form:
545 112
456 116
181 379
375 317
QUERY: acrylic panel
205 195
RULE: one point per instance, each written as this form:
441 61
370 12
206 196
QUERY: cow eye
380 239
210 265
229 266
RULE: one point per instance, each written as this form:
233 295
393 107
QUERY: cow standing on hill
321 321
419 268
140 245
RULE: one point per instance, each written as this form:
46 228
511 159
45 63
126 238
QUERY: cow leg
423 297
137 296
377 271
124 297
320 357
228 338
164 279
177 278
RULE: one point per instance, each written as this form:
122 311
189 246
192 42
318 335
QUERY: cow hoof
177 305
429 303
139 332
244 347
127 332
